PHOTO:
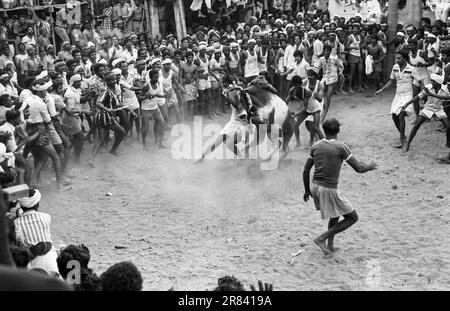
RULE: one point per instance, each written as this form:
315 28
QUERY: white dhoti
46 262
399 101
234 126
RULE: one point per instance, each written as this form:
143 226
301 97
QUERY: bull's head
235 96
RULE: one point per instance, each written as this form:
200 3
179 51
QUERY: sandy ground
185 225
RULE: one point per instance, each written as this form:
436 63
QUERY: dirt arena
185 224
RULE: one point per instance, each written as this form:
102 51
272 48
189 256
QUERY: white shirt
119 52
129 57
8 89
129 98
38 110
11 143
301 69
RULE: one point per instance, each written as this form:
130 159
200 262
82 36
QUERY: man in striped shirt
32 226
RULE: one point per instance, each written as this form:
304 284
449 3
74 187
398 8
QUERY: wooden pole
391 33
183 18
51 9
35 19
154 17
414 8
176 11
147 16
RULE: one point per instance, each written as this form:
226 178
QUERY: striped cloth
33 227
107 22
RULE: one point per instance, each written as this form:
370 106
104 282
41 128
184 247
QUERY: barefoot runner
403 74
327 156
106 121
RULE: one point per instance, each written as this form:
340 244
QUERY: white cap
166 61
75 78
401 34
116 62
116 71
154 61
42 75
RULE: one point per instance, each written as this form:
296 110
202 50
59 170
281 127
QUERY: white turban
77 68
154 61
6 63
42 75
75 78
29 202
116 62
116 71
43 87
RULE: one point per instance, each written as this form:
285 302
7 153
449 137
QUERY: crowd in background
114 78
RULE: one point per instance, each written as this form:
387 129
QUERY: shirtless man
204 81
189 78
327 156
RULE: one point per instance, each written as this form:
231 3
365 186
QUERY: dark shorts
57 125
354 59
44 138
105 119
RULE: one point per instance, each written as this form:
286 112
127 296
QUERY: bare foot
406 149
162 146
114 153
333 249
91 163
399 144
322 246
298 145
443 160
66 182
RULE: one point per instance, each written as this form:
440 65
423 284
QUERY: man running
403 74
327 156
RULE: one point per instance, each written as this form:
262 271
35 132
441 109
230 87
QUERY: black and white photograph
186 146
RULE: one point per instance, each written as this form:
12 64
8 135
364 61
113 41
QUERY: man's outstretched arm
306 173
361 167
